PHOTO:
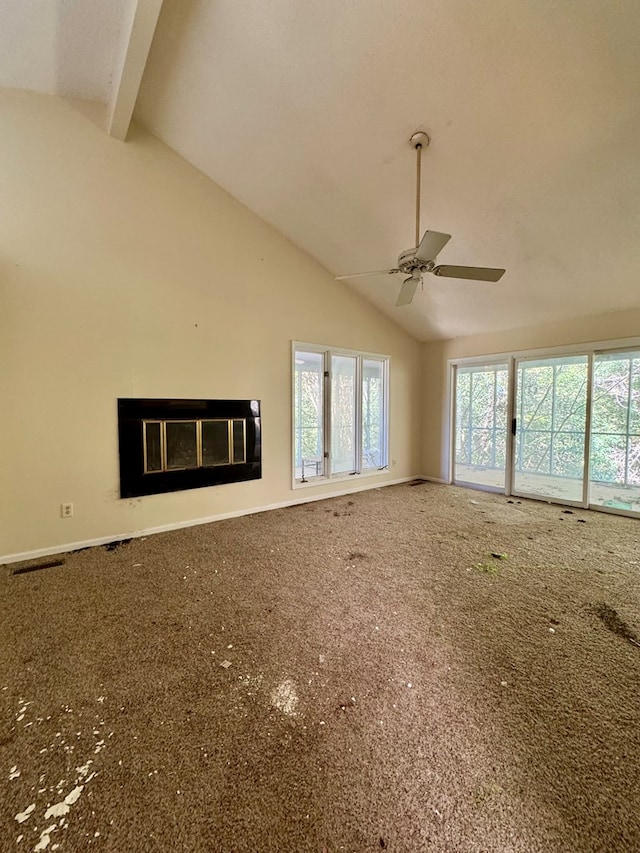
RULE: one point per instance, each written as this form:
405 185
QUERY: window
374 413
343 414
309 414
340 412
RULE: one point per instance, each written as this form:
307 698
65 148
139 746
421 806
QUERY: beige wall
435 357
124 272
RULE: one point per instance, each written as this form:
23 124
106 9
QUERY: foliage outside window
340 413
481 416
615 419
576 424
551 413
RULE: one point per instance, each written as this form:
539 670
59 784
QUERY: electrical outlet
66 510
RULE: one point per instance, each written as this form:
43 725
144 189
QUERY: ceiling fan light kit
422 257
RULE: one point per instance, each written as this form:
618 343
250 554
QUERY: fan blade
407 291
361 274
474 273
432 242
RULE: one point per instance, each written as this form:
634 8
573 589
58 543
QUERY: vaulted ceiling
303 111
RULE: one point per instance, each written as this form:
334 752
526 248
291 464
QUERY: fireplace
170 445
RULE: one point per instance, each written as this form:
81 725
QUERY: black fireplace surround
171 445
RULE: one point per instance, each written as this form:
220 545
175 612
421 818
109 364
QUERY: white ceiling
61 47
303 111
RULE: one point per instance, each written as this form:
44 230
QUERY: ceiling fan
422 258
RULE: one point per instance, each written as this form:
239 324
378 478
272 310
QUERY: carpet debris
487 568
63 807
45 837
113 546
285 698
26 814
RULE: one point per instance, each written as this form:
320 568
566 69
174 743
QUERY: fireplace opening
176 445
167 445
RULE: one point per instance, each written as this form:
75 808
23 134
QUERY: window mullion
358 415
586 472
327 420
510 443
384 417
628 424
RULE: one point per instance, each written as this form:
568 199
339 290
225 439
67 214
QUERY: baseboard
179 525
433 479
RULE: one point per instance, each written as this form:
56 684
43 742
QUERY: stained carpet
415 668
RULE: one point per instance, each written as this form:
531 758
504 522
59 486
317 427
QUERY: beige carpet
355 674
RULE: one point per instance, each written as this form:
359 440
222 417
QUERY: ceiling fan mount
421 258
419 139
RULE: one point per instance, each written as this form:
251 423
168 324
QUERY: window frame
327 353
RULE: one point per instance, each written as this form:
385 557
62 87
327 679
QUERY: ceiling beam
137 38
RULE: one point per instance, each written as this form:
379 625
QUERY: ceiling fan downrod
418 140
422 257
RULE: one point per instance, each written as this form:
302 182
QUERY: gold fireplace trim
236 429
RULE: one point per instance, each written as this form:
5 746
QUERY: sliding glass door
560 428
550 421
614 480
481 407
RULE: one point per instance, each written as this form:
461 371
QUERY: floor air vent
35 567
